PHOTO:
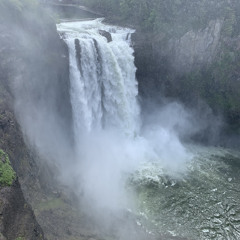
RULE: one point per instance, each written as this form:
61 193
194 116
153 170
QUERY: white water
109 143
105 109
104 89
203 204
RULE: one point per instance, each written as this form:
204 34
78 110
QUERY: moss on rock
7 174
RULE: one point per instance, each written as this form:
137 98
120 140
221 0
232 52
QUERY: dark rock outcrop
106 34
78 55
34 82
17 220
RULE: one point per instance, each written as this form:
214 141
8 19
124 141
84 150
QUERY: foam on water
202 204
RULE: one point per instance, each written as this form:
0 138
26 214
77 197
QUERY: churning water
202 204
192 192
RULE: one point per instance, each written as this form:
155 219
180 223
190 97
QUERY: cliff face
33 80
17 218
195 48
200 65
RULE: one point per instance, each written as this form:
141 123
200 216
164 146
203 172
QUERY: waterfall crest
102 75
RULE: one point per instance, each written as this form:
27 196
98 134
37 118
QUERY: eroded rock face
17 219
195 48
161 61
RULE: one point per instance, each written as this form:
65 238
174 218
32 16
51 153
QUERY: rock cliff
33 76
195 48
17 219
200 65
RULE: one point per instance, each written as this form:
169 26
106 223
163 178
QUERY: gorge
95 158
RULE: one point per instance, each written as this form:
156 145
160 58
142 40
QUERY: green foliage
53 203
20 238
7 174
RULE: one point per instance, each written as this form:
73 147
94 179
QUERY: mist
127 134
97 164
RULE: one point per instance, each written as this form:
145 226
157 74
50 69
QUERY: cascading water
105 108
102 75
172 195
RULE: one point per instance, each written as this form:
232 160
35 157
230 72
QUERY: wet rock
106 34
17 218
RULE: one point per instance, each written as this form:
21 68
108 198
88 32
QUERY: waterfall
108 140
102 77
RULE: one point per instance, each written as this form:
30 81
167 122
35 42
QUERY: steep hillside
33 74
17 218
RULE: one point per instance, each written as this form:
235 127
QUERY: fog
98 165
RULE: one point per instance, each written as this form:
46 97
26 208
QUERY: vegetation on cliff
33 75
7 174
